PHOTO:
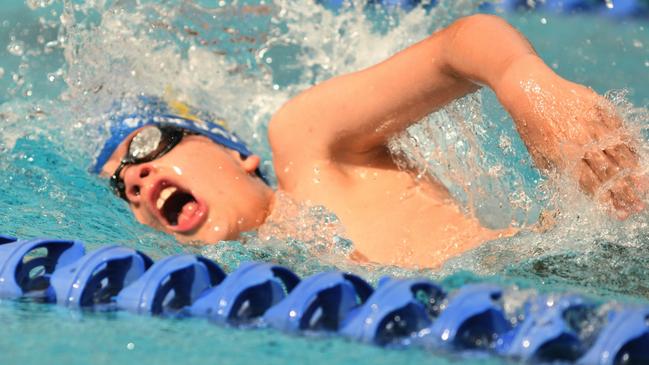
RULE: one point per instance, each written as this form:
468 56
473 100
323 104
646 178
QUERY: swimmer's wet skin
329 148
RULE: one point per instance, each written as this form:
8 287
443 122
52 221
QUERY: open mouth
179 208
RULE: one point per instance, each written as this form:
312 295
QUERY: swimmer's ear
250 163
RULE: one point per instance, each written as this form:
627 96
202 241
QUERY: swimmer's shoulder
295 146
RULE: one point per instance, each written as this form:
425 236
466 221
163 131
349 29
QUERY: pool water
62 63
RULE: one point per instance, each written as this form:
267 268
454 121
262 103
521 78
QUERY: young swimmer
329 149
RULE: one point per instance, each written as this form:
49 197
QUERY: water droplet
269 60
66 20
625 358
2 71
609 4
637 43
16 48
51 77
646 63
544 21
445 335
17 79
35 4
130 346
51 44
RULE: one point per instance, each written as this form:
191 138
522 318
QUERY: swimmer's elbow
480 47
483 21
483 26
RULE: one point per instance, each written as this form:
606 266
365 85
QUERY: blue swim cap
148 110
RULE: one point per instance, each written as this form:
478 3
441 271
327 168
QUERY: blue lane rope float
624 340
97 277
319 302
417 312
246 294
550 331
473 318
170 285
19 277
397 309
6 239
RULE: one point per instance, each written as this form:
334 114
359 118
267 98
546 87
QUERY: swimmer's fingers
592 184
628 159
623 156
588 180
631 188
601 164
598 170
611 162
625 198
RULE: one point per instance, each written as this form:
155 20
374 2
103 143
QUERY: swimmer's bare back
329 142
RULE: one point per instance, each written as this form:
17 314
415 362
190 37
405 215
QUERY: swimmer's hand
609 167
569 127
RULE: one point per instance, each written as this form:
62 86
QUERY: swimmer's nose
135 178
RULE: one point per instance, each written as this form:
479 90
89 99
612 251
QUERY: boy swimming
196 180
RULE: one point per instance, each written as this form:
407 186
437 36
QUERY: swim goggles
149 143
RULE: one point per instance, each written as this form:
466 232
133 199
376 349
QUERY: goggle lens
145 143
148 144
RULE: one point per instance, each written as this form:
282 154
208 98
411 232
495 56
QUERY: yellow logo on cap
185 111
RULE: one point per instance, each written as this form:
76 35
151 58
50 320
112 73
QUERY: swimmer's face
198 191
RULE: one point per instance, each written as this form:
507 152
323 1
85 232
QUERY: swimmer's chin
202 238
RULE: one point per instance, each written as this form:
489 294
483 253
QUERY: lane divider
549 328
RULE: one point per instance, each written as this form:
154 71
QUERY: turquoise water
64 62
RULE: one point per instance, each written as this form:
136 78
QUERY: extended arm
349 118
358 112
